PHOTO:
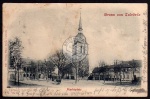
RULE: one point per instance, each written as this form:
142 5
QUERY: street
71 83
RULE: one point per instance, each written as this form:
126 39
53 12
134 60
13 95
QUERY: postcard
75 50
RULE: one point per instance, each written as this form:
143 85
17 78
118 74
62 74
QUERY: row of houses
36 70
120 71
31 70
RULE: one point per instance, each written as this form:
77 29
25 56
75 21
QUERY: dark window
24 68
27 69
127 69
80 49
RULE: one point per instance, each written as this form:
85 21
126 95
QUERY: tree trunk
18 77
59 74
15 75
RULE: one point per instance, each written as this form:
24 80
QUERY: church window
81 49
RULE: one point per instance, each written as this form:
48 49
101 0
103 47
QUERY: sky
43 28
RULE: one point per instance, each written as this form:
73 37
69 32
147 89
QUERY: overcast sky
44 27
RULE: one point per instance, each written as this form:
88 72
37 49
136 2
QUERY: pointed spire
80 23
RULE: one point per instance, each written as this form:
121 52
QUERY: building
80 54
37 70
128 71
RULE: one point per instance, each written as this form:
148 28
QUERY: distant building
124 71
37 70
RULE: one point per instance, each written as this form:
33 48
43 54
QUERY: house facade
123 71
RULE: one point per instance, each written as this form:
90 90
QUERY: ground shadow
12 84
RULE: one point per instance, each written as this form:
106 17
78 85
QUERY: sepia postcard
75 50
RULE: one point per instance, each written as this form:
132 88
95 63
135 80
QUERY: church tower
80 53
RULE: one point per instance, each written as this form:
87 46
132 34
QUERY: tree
59 60
38 69
68 70
49 67
15 51
118 69
33 69
134 65
83 68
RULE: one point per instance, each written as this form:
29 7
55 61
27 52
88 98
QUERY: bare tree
83 70
103 70
49 67
15 50
59 60
101 64
118 69
38 70
134 65
68 70
33 69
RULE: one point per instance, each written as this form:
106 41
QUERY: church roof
80 33
80 24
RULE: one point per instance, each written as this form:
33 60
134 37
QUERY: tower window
81 49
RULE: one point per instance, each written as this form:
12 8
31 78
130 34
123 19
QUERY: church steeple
80 24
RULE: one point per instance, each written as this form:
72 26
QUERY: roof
81 38
123 64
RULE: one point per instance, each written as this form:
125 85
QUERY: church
80 54
80 64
